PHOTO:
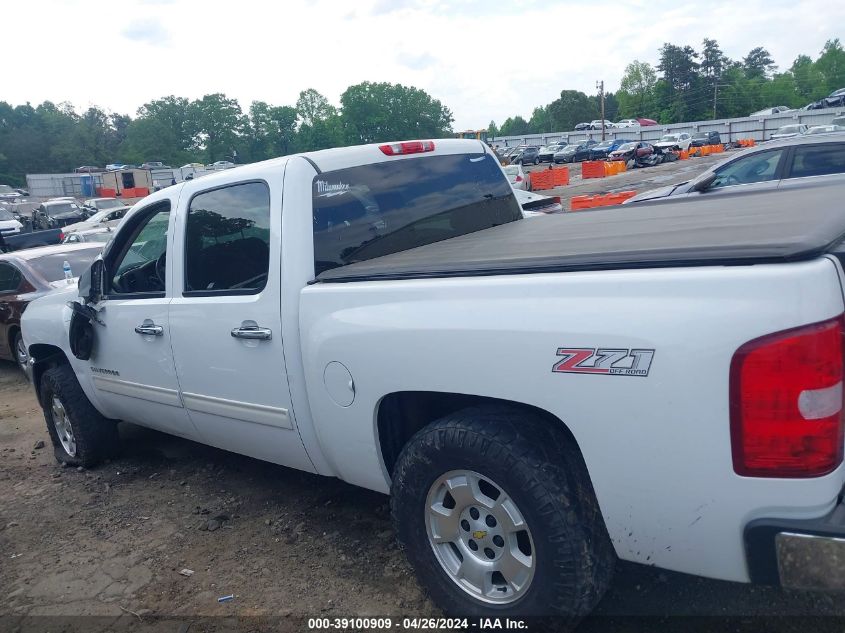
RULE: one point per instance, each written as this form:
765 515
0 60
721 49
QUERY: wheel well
45 357
402 414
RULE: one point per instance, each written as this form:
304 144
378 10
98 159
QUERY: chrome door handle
149 328
252 332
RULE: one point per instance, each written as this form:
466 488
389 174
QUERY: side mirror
705 183
91 281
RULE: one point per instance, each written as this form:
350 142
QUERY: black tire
96 436
544 475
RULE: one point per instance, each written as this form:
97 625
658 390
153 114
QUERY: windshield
669 137
603 145
512 170
789 129
64 207
5 215
373 210
700 135
626 147
50 266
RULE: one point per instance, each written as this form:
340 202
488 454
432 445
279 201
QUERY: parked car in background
88 169
700 139
547 153
833 100
155 164
600 151
116 166
781 164
535 204
102 204
771 111
677 141
194 165
574 152
221 164
9 193
597 124
580 127
56 214
27 275
9 224
528 155
787 131
101 235
517 177
825 129
628 123
107 217
646 122
632 150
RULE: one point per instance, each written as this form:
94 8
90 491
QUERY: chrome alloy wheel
64 431
480 537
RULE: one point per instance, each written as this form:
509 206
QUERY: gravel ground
102 550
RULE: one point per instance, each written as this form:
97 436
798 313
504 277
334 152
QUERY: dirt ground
102 550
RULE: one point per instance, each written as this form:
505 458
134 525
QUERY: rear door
226 322
10 281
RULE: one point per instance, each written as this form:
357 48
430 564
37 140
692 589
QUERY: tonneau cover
718 229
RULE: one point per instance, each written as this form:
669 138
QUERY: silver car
788 131
791 162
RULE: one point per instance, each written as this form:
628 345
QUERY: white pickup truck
661 383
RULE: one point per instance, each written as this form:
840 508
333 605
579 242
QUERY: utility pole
600 86
715 95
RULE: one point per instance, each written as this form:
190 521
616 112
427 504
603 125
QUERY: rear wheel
81 436
497 521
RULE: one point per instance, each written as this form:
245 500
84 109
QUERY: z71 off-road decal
610 362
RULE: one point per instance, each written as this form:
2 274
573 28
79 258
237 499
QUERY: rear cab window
368 211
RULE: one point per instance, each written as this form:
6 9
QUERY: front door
132 361
225 320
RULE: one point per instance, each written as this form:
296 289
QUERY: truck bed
781 226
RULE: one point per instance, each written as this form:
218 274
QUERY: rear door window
10 278
818 160
227 249
373 210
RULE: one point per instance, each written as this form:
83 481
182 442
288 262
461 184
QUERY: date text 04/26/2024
419 624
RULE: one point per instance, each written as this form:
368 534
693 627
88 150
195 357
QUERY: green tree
809 80
271 130
373 112
311 107
636 92
758 64
831 65
515 126
220 125
492 129
571 108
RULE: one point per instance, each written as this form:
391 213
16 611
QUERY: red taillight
518 179
61 236
787 402
407 147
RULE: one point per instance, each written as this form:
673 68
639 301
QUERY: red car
632 150
645 122
25 276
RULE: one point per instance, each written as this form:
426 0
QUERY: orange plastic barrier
683 155
560 176
747 142
717 149
541 179
106 193
576 203
592 169
614 167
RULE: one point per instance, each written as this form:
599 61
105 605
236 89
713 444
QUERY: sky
484 59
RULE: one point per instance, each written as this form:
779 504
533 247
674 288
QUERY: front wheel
496 521
21 355
81 436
